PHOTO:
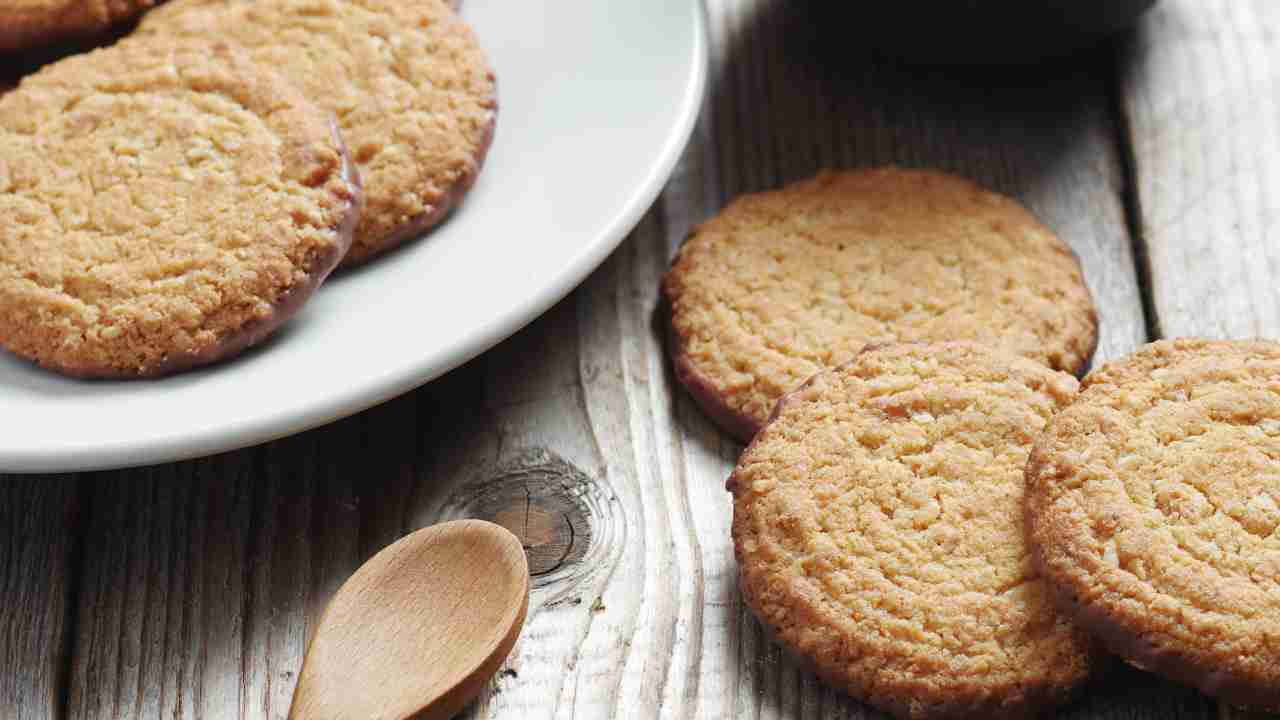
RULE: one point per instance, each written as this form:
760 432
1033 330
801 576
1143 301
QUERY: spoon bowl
419 628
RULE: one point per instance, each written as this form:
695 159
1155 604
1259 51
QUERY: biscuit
877 525
410 85
166 206
1153 502
783 284
28 24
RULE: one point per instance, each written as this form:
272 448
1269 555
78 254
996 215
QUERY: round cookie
411 87
783 284
28 24
1153 502
877 525
166 206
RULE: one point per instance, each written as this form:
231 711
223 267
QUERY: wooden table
187 590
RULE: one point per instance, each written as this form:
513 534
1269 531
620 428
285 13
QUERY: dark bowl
982 32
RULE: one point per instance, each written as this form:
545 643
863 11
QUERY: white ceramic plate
597 100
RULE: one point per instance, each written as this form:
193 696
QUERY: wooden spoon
418 630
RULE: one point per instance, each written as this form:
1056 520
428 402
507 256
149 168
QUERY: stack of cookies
933 513
170 200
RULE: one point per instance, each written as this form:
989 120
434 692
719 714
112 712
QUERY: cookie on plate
878 527
410 85
1153 502
783 284
28 24
166 206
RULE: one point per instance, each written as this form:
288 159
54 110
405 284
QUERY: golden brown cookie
166 205
34 23
878 529
785 283
411 87
1153 502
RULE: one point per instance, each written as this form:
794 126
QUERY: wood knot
559 512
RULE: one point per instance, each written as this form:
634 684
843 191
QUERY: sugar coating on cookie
783 284
407 79
26 24
878 529
166 205
1154 505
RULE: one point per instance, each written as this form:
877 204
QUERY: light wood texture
39 533
201 581
418 629
1201 92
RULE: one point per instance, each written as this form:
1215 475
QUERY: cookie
783 284
166 206
1153 502
410 85
28 24
877 524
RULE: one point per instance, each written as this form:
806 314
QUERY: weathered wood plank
160 629
200 579
39 518
1201 84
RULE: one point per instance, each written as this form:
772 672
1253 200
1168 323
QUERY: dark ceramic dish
981 32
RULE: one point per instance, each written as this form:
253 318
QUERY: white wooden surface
1201 89
188 590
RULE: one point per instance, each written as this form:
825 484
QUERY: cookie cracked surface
878 528
785 283
1154 504
166 205
407 79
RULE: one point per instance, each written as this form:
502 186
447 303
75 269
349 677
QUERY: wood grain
1201 93
201 581
199 578
39 540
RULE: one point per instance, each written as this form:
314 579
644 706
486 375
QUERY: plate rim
345 403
